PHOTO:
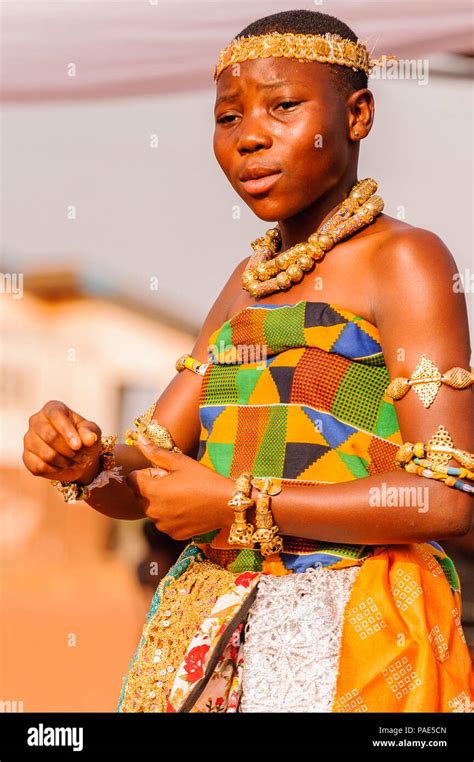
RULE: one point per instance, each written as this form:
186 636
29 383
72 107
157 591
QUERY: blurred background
118 229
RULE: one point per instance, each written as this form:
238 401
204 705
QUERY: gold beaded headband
327 48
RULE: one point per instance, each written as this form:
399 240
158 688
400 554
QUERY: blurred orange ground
46 668
71 610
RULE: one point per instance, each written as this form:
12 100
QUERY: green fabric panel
221 454
387 423
378 360
247 561
285 328
450 572
356 465
246 381
224 337
347 551
221 386
208 537
347 405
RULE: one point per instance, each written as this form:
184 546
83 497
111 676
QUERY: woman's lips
261 184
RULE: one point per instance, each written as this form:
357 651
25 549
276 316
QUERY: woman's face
283 117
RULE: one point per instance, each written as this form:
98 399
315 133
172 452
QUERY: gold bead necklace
268 270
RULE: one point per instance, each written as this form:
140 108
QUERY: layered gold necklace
269 270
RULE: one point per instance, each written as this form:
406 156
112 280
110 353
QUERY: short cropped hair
312 22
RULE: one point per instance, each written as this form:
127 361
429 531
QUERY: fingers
88 430
156 472
75 430
38 467
48 454
159 456
141 480
55 438
57 415
51 437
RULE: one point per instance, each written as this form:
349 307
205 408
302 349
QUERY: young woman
313 579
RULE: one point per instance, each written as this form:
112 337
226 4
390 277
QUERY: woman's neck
298 228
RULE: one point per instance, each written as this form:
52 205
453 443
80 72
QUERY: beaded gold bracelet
449 477
431 460
73 491
241 531
440 448
266 532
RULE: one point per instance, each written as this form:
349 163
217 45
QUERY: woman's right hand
62 445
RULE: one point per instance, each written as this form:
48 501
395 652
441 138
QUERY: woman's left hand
181 496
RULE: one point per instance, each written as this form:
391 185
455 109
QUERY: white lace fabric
292 640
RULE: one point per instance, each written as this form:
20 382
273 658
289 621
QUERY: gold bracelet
153 430
241 531
450 477
431 460
186 361
439 450
73 491
266 532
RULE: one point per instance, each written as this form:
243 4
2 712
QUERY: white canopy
75 49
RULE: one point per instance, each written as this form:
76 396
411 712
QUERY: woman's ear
361 109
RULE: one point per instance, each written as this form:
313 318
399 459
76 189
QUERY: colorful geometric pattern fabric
295 392
308 407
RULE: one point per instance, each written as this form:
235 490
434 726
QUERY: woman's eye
225 119
288 103
228 118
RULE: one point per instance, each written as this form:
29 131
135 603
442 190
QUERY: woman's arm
177 409
418 311
390 508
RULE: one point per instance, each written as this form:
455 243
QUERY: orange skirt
403 648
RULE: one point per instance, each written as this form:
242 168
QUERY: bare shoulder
413 265
416 286
413 247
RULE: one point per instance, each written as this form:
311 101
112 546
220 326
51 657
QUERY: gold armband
426 380
186 361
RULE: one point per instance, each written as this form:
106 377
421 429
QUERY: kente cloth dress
297 392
